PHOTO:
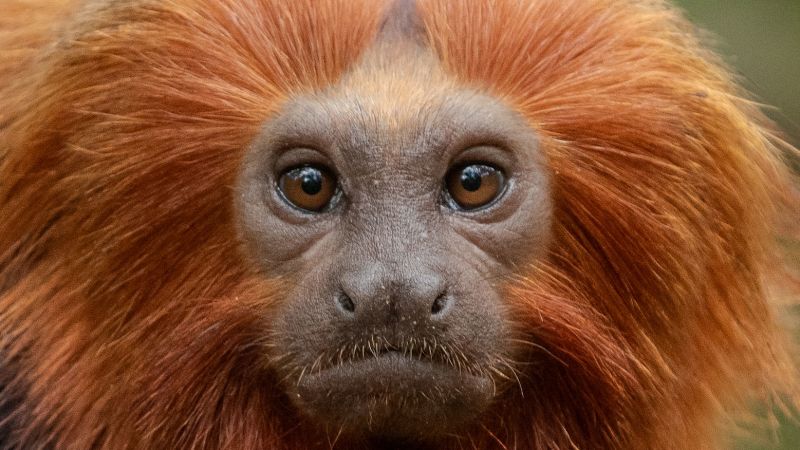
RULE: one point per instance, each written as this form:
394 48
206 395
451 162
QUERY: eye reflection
310 188
473 186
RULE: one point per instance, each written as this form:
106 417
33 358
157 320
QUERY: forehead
397 106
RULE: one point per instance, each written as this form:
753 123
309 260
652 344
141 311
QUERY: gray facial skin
394 324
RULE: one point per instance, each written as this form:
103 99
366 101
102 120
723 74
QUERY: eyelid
491 155
295 157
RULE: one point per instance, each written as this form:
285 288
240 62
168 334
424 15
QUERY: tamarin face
395 203
353 224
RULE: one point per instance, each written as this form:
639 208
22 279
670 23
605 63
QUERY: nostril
345 303
440 304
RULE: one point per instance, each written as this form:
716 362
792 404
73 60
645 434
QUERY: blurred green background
761 40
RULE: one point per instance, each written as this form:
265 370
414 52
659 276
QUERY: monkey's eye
310 188
473 186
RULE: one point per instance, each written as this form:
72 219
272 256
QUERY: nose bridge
368 281
392 230
394 257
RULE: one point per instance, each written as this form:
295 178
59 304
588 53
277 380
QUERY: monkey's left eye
310 188
473 186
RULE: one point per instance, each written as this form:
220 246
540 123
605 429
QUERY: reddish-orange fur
139 325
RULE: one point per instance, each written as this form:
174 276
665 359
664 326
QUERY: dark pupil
471 178
311 180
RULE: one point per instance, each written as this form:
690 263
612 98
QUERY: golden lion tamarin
359 224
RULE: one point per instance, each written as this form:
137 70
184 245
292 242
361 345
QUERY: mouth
393 393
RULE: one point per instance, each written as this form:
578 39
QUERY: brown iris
475 185
309 187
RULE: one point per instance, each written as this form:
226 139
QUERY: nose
380 296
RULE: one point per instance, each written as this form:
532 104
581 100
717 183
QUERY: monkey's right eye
310 188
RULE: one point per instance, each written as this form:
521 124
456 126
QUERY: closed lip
389 371
377 394
387 354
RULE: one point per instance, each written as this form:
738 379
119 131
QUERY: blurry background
761 40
